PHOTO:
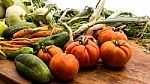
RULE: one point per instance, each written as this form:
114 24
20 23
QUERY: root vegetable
8 49
44 33
23 33
26 39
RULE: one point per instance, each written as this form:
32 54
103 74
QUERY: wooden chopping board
137 71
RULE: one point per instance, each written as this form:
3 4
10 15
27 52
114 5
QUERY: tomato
47 53
108 34
86 51
115 53
64 66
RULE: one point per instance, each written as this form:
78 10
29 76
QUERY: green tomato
3 26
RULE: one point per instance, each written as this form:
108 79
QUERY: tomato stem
116 42
83 40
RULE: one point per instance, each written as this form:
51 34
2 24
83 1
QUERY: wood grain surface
137 71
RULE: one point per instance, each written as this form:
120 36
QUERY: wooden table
137 71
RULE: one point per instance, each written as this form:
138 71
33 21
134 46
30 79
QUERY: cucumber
57 39
23 50
32 67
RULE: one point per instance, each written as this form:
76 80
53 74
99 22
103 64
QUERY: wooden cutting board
137 71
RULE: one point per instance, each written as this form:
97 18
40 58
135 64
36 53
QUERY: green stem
70 32
32 5
65 12
114 15
110 20
76 19
83 41
122 19
2 54
98 10
116 42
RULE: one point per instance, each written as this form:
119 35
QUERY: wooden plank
9 73
135 72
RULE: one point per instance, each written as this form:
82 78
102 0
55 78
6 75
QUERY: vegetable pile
46 42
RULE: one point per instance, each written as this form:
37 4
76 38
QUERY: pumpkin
115 53
108 34
86 51
48 52
64 66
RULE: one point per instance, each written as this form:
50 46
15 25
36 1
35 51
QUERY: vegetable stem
114 15
97 12
70 32
109 20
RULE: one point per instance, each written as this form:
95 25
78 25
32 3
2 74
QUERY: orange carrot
5 42
14 46
35 39
15 42
45 33
8 49
40 34
19 39
23 33
21 42
26 39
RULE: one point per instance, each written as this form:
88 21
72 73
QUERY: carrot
35 39
21 42
40 34
19 46
19 39
5 42
15 42
44 33
23 33
8 49
26 39
13 46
